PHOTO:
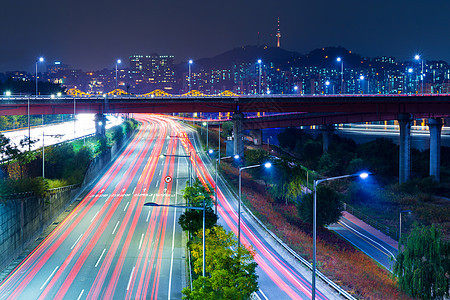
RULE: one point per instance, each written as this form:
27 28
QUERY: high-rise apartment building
155 70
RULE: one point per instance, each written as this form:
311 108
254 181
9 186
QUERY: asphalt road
112 247
373 246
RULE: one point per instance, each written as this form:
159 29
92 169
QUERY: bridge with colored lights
310 109
160 102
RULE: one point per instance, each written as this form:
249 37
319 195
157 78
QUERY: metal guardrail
331 283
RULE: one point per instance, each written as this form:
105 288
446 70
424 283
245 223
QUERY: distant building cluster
320 72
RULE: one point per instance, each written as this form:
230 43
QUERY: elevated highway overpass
310 109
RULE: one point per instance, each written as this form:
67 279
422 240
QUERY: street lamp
117 62
259 90
362 175
400 225
40 59
361 78
190 164
410 71
188 207
216 198
417 57
190 63
339 59
295 89
266 165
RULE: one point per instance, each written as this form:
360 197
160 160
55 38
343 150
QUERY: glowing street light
417 57
190 63
339 59
39 60
117 63
361 78
400 226
216 198
266 165
259 90
362 175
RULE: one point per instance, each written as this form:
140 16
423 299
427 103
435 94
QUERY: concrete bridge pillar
404 121
327 135
238 127
435 126
100 123
256 134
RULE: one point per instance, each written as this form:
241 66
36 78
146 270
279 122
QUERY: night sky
92 34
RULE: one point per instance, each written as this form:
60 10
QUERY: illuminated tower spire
278 33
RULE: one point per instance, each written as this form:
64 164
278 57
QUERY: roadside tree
329 208
231 274
423 266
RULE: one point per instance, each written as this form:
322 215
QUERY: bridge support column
100 123
238 127
327 135
404 121
256 134
435 126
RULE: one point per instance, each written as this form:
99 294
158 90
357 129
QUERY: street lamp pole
190 164
117 62
259 62
267 165
204 218
41 59
417 57
361 78
190 63
316 183
339 59
400 225
216 198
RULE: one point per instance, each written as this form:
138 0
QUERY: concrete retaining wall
23 220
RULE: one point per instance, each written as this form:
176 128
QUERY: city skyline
93 35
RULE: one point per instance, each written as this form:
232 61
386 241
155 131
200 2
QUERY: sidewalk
388 240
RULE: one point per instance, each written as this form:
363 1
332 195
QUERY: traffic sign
168 179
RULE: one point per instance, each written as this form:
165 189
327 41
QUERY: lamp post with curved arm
266 165
363 175
188 207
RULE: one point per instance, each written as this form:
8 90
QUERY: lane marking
73 246
173 234
126 206
49 277
357 232
81 294
148 216
140 242
116 227
94 216
264 295
157 183
160 172
98 261
129 281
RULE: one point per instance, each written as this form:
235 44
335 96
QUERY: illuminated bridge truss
155 93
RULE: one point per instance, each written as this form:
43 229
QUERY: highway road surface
112 247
